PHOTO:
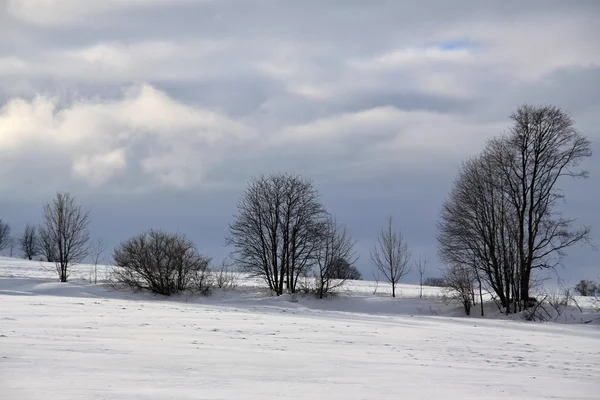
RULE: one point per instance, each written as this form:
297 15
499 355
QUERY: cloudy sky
155 113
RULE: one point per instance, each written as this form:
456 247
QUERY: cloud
61 12
161 137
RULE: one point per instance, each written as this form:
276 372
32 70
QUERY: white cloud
97 169
97 137
389 132
412 57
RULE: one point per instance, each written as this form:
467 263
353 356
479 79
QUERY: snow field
83 341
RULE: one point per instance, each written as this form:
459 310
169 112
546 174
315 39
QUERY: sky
156 113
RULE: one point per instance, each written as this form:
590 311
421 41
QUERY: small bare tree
64 233
421 266
5 238
391 255
29 242
225 277
460 285
97 250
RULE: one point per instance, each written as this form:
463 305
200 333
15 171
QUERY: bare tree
97 250
29 242
64 233
544 147
391 255
421 267
476 226
460 285
225 277
160 262
5 238
334 258
278 229
501 216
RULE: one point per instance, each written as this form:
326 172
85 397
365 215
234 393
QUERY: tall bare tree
334 258
29 242
64 233
278 229
544 147
5 238
501 217
391 255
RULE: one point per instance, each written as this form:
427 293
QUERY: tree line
282 233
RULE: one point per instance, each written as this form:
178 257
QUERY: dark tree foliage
587 288
29 242
5 238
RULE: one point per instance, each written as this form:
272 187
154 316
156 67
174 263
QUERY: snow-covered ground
84 341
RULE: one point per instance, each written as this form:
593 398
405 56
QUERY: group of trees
62 237
501 221
283 233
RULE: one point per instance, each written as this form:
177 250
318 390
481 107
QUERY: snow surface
83 341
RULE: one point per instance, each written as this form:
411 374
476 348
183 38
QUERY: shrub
160 262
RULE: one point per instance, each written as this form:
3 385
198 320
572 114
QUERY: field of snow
84 341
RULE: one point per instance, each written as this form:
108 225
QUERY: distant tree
460 285
11 247
421 267
434 282
29 242
586 288
97 250
334 258
391 255
5 238
278 230
344 270
64 233
160 262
